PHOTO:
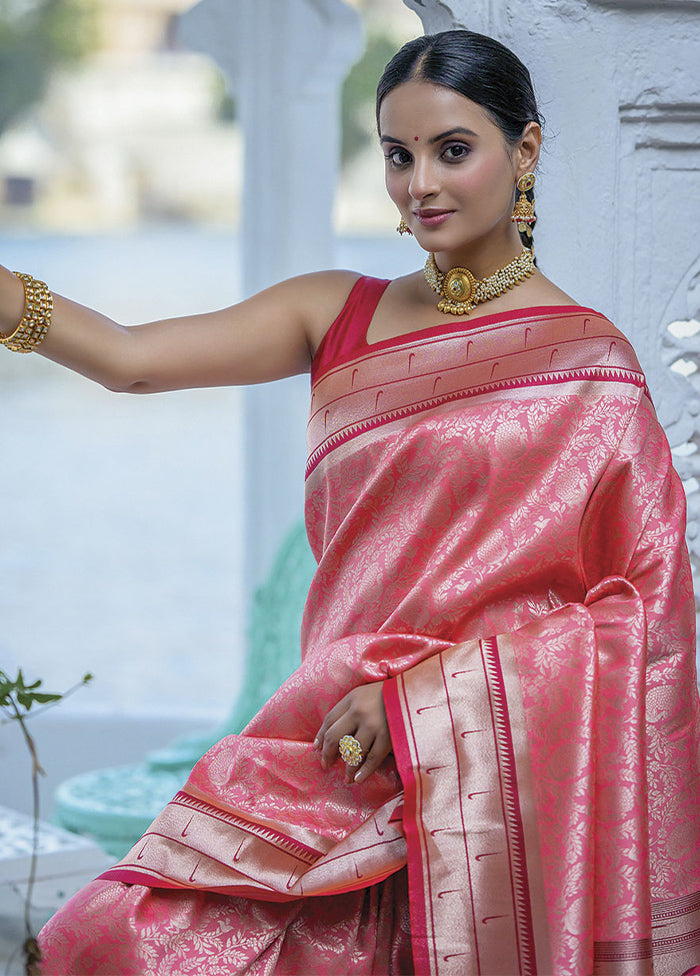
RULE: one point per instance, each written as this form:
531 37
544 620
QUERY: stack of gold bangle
38 306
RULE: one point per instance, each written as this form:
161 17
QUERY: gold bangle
36 318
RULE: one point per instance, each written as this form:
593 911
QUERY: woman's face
449 169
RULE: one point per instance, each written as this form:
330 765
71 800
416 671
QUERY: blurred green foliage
358 94
37 36
227 109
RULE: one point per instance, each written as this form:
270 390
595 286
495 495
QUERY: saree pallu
500 540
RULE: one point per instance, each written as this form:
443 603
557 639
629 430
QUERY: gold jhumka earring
403 228
524 210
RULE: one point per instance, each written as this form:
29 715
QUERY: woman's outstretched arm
269 336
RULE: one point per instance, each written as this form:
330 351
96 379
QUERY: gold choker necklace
461 291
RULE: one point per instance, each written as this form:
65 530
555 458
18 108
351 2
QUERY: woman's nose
424 182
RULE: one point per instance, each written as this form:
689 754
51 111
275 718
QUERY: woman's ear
527 152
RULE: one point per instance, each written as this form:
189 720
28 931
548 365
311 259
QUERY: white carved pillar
285 63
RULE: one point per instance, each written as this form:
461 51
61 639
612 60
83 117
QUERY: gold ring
350 750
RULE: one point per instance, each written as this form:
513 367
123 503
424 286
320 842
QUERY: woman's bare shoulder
322 295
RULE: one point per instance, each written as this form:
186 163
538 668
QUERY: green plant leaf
16 694
29 698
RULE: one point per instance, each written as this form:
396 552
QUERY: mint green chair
115 806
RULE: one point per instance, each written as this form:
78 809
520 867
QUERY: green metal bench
115 806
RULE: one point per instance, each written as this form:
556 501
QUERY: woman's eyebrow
452 132
443 135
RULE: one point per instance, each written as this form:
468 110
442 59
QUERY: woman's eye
456 152
398 157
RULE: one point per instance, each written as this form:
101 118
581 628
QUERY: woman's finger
335 713
345 725
360 714
379 750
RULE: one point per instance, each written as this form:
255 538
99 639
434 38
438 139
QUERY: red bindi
415 138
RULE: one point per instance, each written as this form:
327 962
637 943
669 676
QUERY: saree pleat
500 540
110 928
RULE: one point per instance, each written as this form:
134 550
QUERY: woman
499 638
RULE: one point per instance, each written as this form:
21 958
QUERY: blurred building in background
140 129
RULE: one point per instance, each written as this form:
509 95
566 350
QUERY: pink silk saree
500 539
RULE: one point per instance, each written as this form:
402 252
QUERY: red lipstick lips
432 217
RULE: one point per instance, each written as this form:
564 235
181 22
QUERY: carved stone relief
647 4
679 406
658 265
435 15
657 209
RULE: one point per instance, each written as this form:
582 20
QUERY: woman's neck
482 257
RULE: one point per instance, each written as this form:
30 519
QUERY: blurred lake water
121 536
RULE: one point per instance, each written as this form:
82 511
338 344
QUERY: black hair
476 66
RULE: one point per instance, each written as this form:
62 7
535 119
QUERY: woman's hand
360 713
